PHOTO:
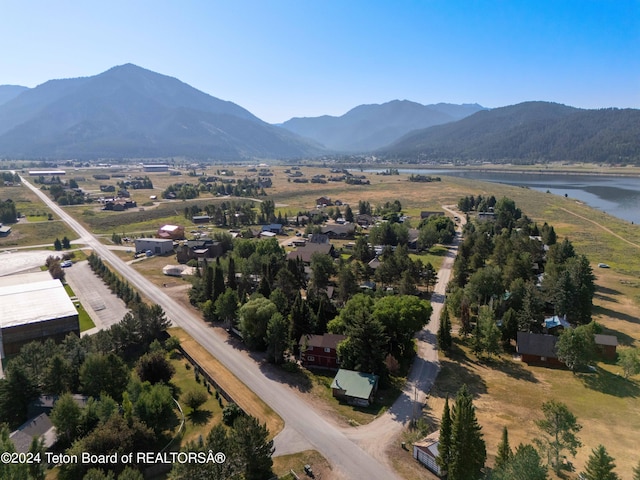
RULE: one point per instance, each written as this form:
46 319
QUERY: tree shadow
200 417
610 384
515 370
453 374
606 290
597 309
605 298
298 379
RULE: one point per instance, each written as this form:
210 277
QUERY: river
616 195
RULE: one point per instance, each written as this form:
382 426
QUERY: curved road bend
348 459
376 436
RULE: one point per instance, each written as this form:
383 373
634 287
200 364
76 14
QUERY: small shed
607 345
426 452
355 388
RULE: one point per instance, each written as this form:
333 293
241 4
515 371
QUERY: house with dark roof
346 230
273 228
324 201
364 220
426 452
606 345
198 249
39 427
320 351
318 238
537 348
305 253
355 388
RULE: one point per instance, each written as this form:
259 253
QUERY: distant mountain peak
130 111
371 126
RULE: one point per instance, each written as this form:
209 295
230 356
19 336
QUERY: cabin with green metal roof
355 388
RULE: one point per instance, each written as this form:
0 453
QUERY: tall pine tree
504 450
444 330
468 450
444 442
600 465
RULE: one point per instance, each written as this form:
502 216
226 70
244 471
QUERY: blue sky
285 58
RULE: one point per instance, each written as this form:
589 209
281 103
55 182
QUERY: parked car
603 265
66 263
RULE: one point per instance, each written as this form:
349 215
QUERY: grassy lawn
435 256
242 395
208 415
41 233
83 317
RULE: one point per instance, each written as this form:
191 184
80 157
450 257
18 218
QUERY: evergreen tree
524 464
57 245
504 450
636 472
561 427
66 243
348 214
218 283
600 465
208 282
444 442
231 274
444 330
468 450
277 338
301 321
250 440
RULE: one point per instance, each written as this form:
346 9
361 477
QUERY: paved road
348 459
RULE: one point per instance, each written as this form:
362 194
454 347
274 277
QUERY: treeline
120 288
8 212
423 178
137 183
9 178
225 214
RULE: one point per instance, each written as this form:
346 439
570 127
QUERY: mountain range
370 127
527 133
131 112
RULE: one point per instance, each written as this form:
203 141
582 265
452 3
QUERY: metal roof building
34 306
